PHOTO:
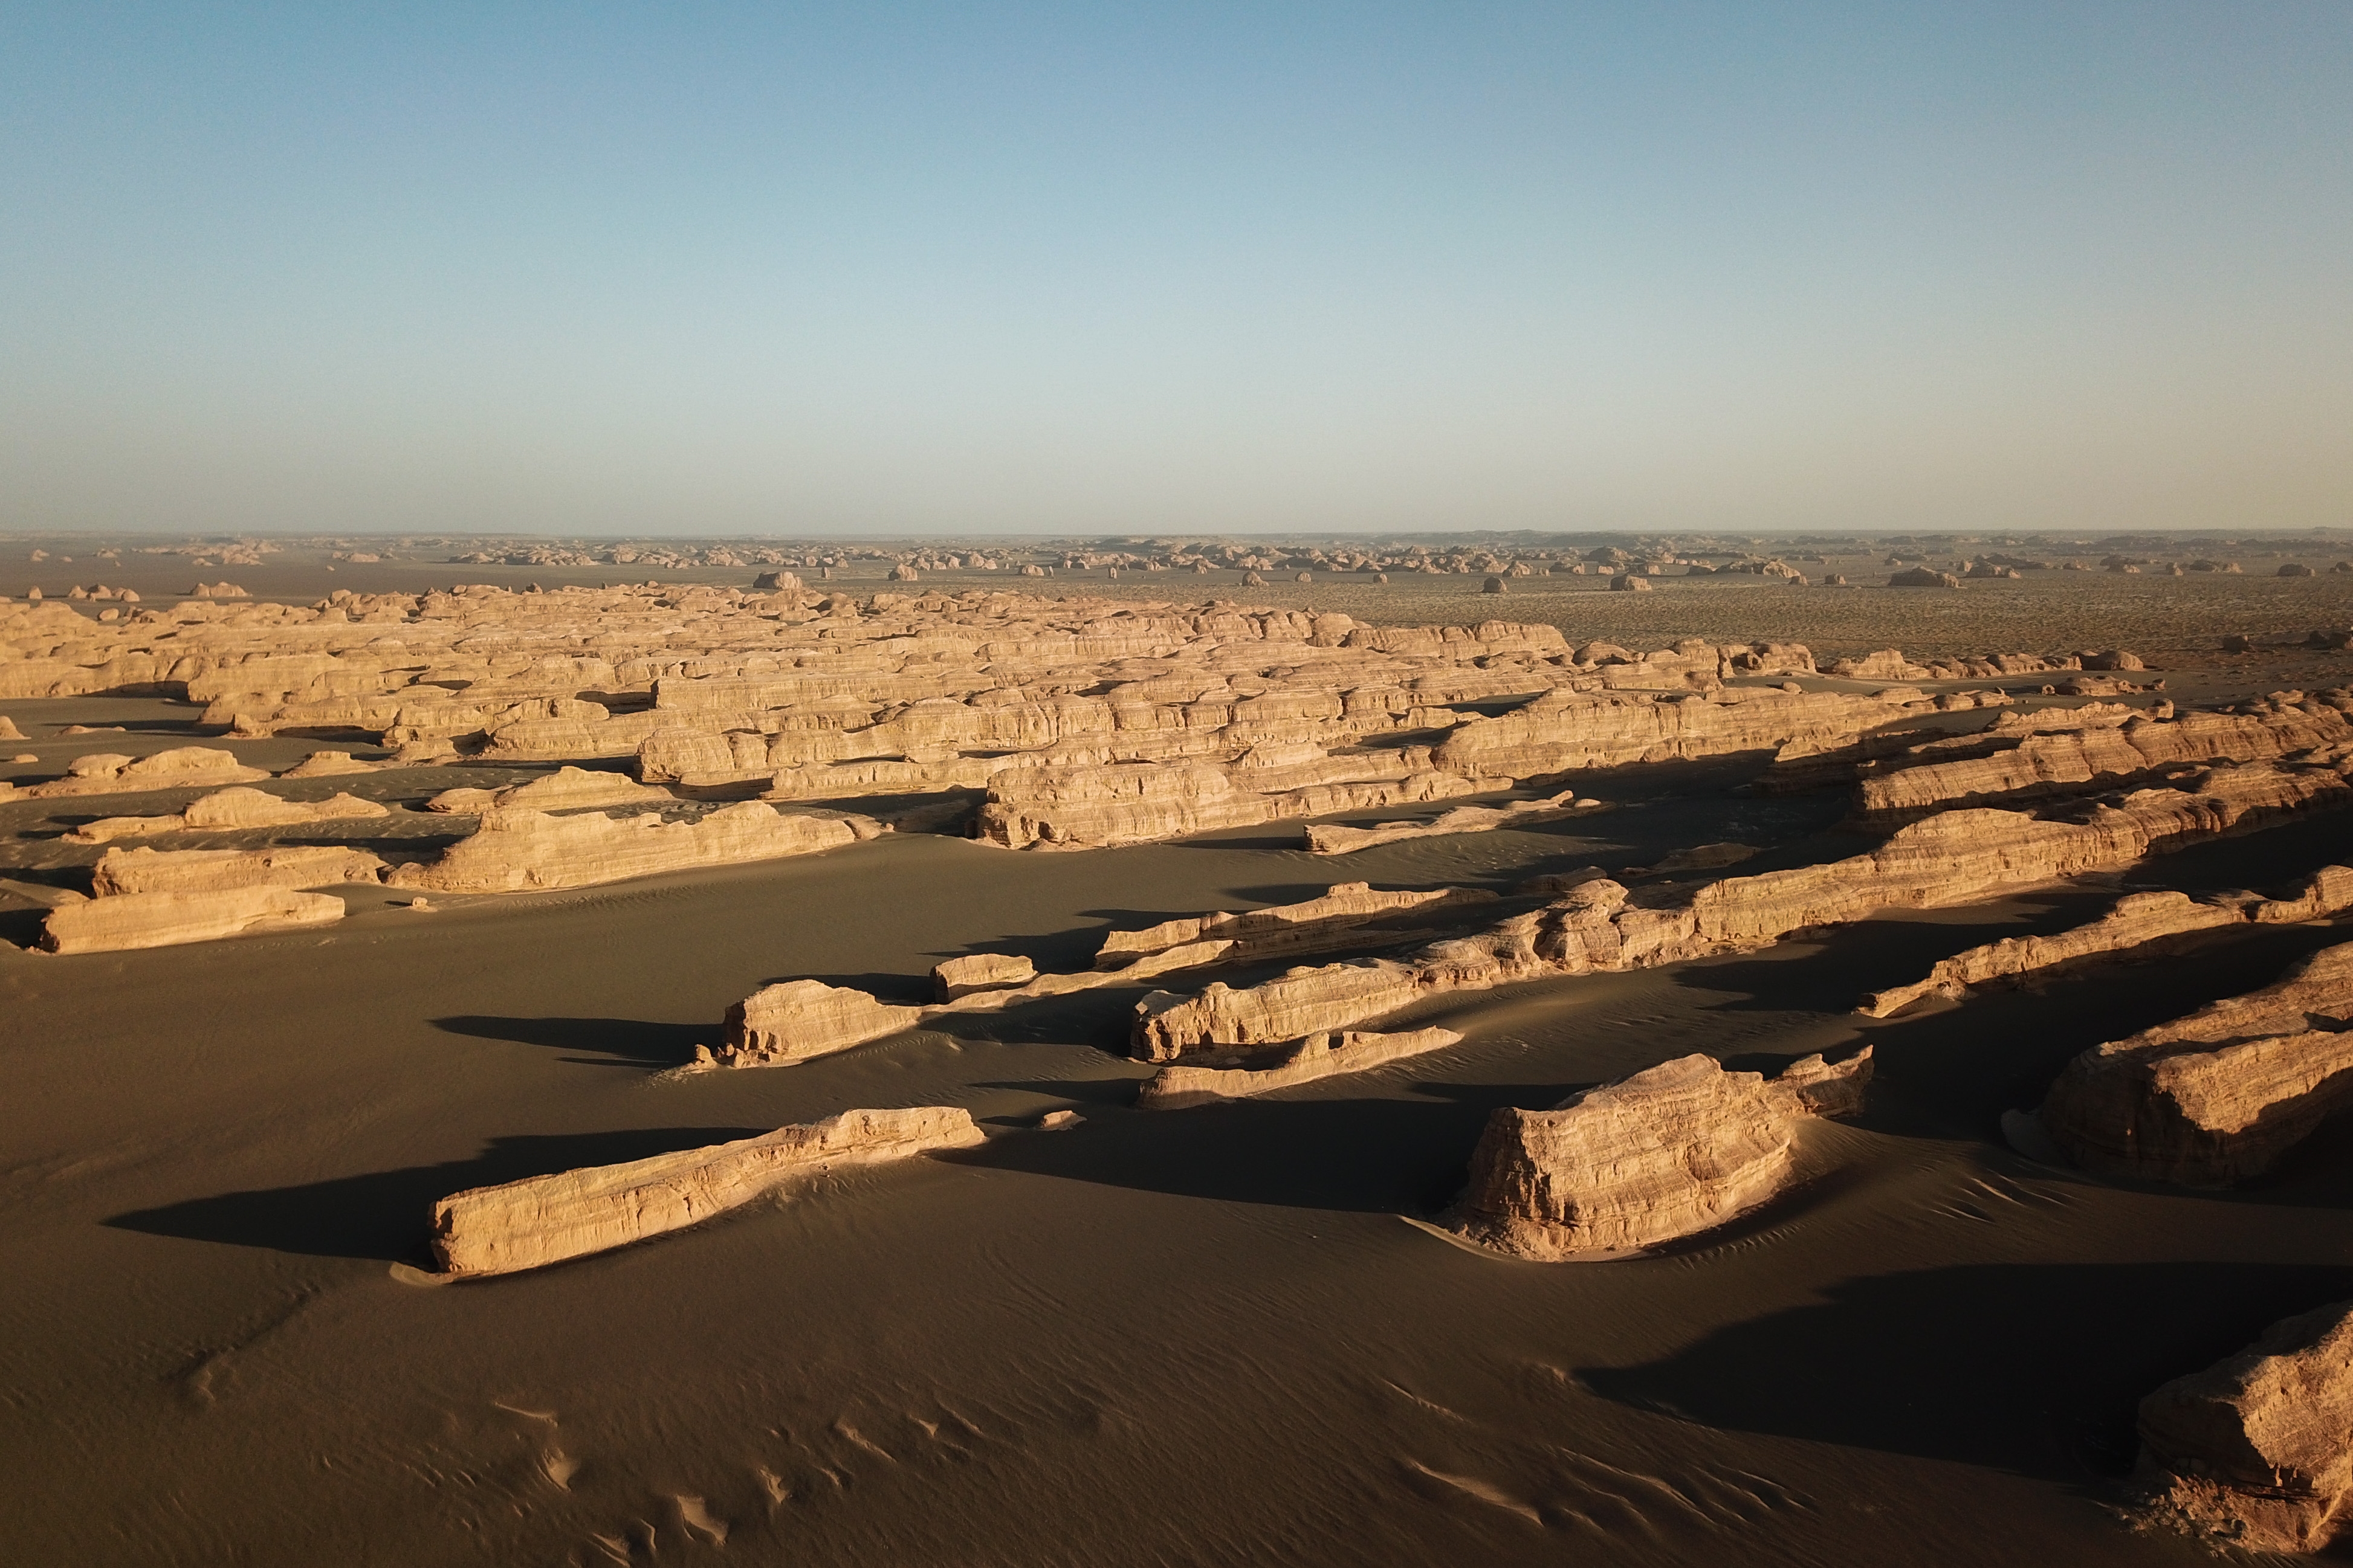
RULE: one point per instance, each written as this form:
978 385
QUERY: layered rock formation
1330 839
517 851
229 810
183 767
566 789
170 918
777 1025
1304 1061
212 871
2137 921
2257 1449
2220 1095
1675 1149
1283 929
546 1219
980 971
1563 730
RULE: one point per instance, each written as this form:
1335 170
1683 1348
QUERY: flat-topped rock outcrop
1566 731
517 851
1675 1149
122 871
2137 921
566 789
2257 1450
230 810
1332 838
980 971
1304 1061
547 1219
2220 1095
170 918
790 1022
1283 929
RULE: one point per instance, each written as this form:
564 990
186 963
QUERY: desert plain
1140 1051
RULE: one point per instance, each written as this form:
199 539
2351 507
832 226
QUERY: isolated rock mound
783 1024
980 971
2220 1095
546 1219
1331 838
108 773
213 870
1305 1061
2257 1449
529 851
168 919
1675 1149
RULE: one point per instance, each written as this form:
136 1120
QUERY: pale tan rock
777 1025
1565 731
167 920
329 764
182 767
2219 1096
574 789
2257 1449
1285 928
516 851
232 808
212 871
8 731
546 1219
1293 1007
980 971
467 800
2330 892
1316 1057
1331 838
2137 920
1675 1149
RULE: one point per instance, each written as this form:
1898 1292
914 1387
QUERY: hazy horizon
1049 273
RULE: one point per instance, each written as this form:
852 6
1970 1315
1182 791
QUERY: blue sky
708 268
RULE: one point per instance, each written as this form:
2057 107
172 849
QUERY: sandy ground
1199 1337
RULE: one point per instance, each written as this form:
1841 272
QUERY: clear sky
706 268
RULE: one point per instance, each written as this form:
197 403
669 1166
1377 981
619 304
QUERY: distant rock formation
213 870
2257 1450
2137 921
1923 577
780 1024
229 810
167 920
1283 930
980 971
2220 1095
566 789
1675 1149
1330 839
546 1219
517 851
1304 1061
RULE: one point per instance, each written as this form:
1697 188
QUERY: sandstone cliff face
213 870
1564 731
2257 1449
1324 839
546 1219
980 971
777 1025
2137 921
167 920
1675 1149
2219 1096
1316 1057
529 851
1092 807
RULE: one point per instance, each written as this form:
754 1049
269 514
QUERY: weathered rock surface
1675 1149
168 919
8 731
2257 1449
546 1219
182 767
980 971
211 870
517 851
1331 838
2220 1095
1304 1061
1563 730
1098 806
1283 927
329 764
227 811
777 1025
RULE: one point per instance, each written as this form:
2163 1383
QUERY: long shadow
2034 1369
1371 1156
617 1042
388 1215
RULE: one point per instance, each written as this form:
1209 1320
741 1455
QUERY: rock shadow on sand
2032 1369
615 1042
388 1215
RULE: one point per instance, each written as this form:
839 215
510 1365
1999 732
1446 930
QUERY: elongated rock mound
780 1024
2257 1449
230 809
213 870
1670 1152
530 851
1316 1057
2220 1095
1283 929
546 1219
980 971
1333 839
168 919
